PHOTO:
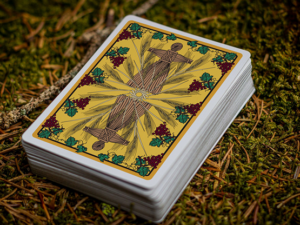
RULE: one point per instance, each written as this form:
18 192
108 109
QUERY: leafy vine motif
206 82
71 141
50 128
97 78
116 159
116 55
71 106
163 136
224 61
146 164
183 113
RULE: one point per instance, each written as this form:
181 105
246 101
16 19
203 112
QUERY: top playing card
135 100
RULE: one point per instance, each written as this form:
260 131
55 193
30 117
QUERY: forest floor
251 177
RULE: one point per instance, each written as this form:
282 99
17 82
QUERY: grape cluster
81 103
86 81
125 35
195 86
51 122
193 108
117 61
224 67
162 130
154 160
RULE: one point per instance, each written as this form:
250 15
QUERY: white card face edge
181 145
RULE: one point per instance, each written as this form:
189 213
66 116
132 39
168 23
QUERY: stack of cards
140 118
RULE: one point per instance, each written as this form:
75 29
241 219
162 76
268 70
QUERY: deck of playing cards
139 119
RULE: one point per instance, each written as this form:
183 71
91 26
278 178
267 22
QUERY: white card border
187 138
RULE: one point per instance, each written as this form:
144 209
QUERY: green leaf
192 43
230 56
118 159
168 139
158 35
179 109
112 53
69 103
171 37
182 118
143 171
71 141
102 157
156 142
81 148
218 59
44 134
57 130
97 72
209 85
203 49
206 77
135 27
99 80
123 51
71 112
138 161
138 34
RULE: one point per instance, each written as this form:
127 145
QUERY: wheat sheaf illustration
138 98
127 110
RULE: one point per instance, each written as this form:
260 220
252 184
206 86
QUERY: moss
269 29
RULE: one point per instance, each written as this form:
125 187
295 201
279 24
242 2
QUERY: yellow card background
144 149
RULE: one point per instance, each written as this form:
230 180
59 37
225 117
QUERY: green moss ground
260 190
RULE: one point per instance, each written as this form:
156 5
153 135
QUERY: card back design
137 100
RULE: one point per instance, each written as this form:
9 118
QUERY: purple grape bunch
195 86
193 108
162 130
224 67
86 80
117 61
82 102
51 122
125 35
154 160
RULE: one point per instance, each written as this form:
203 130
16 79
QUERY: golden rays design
160 73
